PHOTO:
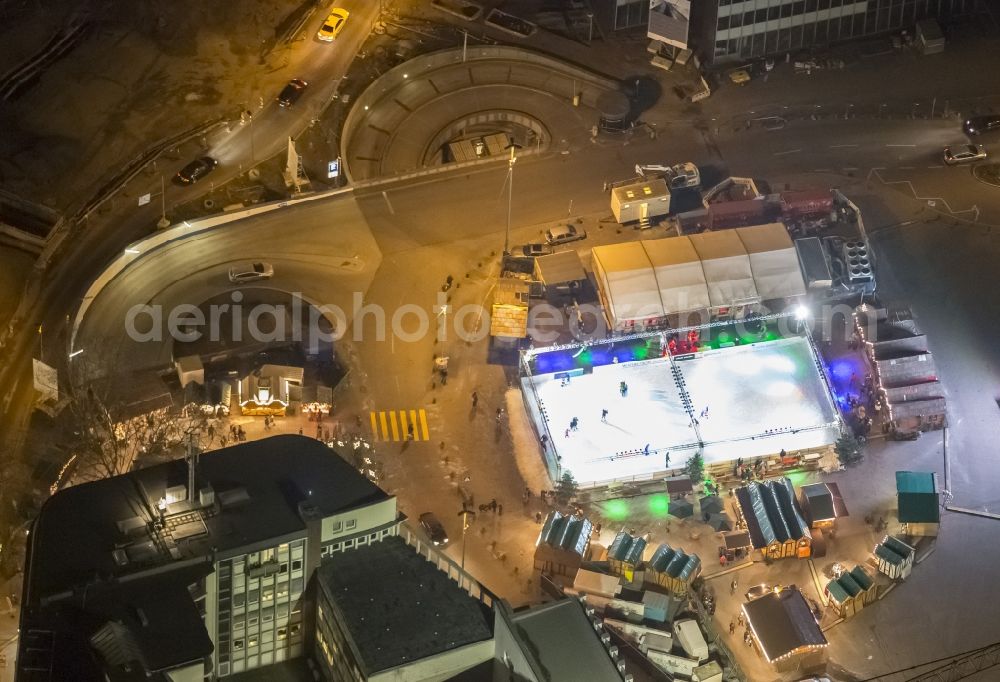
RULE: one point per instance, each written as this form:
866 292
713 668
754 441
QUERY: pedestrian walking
732 627
574 423
475 400
645 450
567 433
604 416
538 517
223 440
493 504
409 431
300 430
499 510
739 618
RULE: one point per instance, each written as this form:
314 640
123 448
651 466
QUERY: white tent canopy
727 267
654 278
628 282
773 260
679 275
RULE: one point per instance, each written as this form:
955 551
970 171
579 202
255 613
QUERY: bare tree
113 427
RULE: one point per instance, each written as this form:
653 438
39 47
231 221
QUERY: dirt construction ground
143 71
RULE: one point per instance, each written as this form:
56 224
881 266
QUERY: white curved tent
642 282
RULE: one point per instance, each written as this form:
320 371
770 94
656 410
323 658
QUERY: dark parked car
290 94
977 125
435 531
535 250
196 170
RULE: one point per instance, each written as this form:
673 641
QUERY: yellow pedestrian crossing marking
392 420
397 425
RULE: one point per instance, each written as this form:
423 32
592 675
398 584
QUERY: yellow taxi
333 25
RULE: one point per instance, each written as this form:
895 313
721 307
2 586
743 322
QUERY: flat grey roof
399 607
564 642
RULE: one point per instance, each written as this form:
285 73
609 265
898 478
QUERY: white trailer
635 632
688 633
641 201
675 665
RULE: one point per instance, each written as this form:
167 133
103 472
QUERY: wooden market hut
509 313
894 557
919 505
917 416
904 370
672 569
736 544
785 630
822 504
774 519
563 544
851 592
625 554
678 486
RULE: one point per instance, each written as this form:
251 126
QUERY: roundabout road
434 97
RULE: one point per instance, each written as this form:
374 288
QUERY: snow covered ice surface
760 398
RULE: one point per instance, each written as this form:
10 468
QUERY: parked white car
563 234
250 272
964 153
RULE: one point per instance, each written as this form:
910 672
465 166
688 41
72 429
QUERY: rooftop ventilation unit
858 262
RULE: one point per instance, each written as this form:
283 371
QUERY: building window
337 526
237 645
351 524
722 24
297 564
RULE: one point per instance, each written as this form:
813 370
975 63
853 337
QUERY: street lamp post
510 193
465 514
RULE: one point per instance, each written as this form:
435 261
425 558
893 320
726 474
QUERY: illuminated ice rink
759 398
